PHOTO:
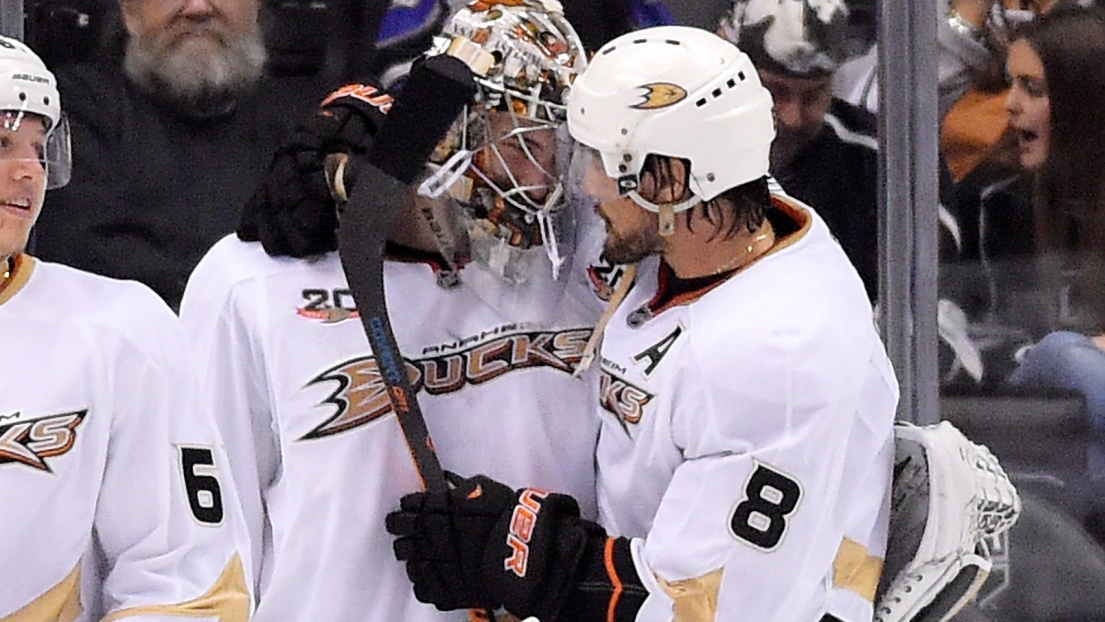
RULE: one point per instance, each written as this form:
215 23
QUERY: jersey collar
21 271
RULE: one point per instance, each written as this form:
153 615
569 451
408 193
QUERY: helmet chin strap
667 211
667 220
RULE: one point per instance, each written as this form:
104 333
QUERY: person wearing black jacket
825 151
172 139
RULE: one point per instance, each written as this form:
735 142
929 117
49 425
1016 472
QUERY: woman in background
1056 66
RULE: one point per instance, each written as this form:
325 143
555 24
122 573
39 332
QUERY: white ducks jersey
318 453
747 439
115 494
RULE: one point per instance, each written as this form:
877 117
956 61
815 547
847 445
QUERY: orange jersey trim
611 571
791 211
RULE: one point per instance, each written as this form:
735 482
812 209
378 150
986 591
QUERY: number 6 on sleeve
201 484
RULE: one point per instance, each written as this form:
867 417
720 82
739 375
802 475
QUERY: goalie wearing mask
503 163
485 306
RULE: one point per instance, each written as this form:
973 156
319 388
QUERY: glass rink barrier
992 274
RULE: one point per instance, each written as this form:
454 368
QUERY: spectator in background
1033 236
824 151
1057 69
170 141
111 474
973 115
972 36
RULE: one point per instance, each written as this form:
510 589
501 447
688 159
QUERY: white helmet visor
51 150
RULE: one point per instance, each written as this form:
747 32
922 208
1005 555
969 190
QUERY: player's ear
664 180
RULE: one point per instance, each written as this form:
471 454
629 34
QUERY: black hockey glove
292 212
482 544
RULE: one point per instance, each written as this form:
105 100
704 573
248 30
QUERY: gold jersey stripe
61 603
227 600
694 600
856 570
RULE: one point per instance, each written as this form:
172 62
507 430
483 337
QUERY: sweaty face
800 107
196 54
22 180
632 233
1028 104
520 157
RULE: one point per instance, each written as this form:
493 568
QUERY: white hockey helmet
801 37
27 87
680 92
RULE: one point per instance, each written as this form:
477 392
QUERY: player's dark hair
741 207
748 202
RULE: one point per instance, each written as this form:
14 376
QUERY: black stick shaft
367 214
433 98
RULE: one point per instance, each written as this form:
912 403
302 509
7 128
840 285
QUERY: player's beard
628 246
198 75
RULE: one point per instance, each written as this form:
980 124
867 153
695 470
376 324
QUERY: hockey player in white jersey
115 496
491 335
747 403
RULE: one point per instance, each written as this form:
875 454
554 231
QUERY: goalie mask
504 160
28 90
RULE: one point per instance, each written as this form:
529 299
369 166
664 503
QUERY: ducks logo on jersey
623 400
361 395
31 441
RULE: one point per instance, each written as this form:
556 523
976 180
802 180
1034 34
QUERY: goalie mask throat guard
489 166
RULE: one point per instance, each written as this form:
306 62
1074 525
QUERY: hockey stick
433 97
